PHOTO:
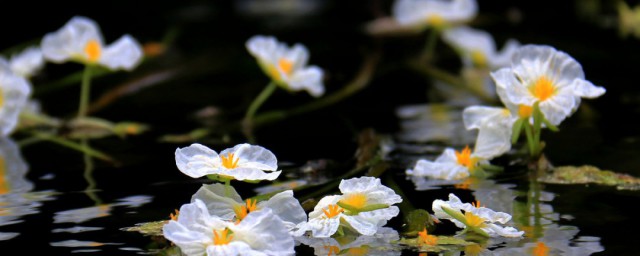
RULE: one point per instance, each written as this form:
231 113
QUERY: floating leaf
590 174
148 228
416 221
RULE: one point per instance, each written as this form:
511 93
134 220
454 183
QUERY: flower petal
125 53
216 200
445 171
264 232
286 207
309 79
586 89
253 157
476 116
196 160
14 92
70 41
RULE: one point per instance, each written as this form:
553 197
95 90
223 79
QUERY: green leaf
153 228
416 221
517 129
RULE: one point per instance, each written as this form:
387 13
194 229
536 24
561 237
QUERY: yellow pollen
478 58
525 111
435 20
476 204
464 158
543 89
222 238
285 65
241 211
427 239
93 50
333 250
541 249
174 217
333 210
357 251
229 162
4 183
357 200
474 220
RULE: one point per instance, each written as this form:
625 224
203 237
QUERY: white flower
433 13
478 48
365 205
14 92
13 170
80 40
24 64
548 76
495 126
287 66
475 216
242 162
197 232
452 164
232 207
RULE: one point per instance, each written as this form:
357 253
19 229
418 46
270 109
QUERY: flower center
333 210
543 89
174 217
478 58
4 183
222 238
464 158
283 64
357 251
241 211
474 220
427 239
524 111
93 50
476 204
229 162
357 200
541 249
435 20
332 250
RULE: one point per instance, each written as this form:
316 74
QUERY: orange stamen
543 89
464 158
174 217
333 210
93 50
357 200
222 238
427 239
229 162
541 249
242 211
525 111
474 220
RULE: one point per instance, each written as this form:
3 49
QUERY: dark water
53 205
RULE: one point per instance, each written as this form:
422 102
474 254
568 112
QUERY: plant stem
429 48
88 175
530 140
255 105
84 91
70 144
227 187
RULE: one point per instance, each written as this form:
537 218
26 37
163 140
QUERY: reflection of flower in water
378 244
433 123
16 200
557 239
88 213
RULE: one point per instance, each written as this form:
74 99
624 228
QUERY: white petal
364 226
264 232
503 58
476 116
493 141
467 41
444 171
254 157
15 169
248 174
196 160
558 107
28 62
504 78
287 207
70 41
298 55
14 92
125 53
309 79
234 248
190 243
493 229
216 200
262 47
372 187
586 89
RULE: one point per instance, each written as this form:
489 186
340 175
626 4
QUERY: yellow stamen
357 251
229 162
222 238
333 210
283 65
541 249
435 20
474 220
93 50
427 239
478 58
332 250
476 204
357 200
4 183
174 217
242 211
464 158
525 111
543 88
473 250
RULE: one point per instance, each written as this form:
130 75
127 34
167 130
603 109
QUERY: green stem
429 49
227 187
247 123
84 91
88 175
530 141
70 144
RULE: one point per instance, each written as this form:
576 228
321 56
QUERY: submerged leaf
153 228
417 220
591 174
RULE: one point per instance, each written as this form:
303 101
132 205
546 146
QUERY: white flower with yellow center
475 217
242 162
232 207
364 206
478 48
547 76
197 232
80 40
286 66
14 92
433 13
25 63
452 164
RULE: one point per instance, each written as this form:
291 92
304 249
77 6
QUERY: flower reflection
433 123
381 243
81 215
